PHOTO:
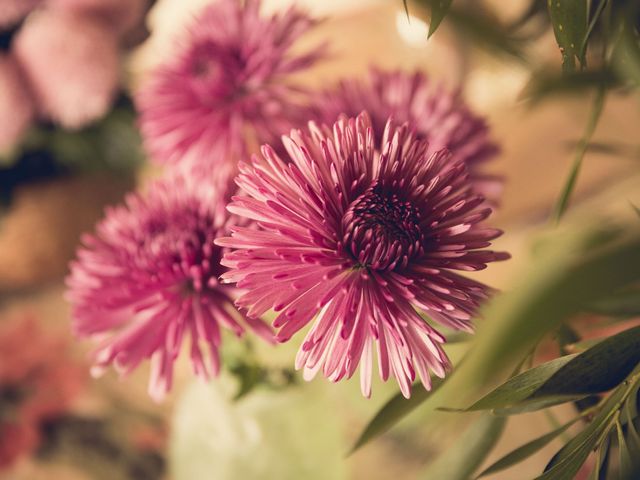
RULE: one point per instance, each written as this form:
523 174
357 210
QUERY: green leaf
543 84
469 451
525 451
626 54
563 200
439 9
520 387
393 411
597 369
624 457
566 463
480 29
625 303
569 20
579 267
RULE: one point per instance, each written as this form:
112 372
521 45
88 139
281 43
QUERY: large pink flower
438 116
149 277
227 86
357 233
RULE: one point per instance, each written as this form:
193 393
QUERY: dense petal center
381 231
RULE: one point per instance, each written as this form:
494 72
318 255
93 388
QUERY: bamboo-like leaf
392 412
525 451
566 463
569 20
520 387
469 451
624 458
598 369
578 268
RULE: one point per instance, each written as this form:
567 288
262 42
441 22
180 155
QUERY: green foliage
596 370
393 411
469 451
569 20
439 9
525 451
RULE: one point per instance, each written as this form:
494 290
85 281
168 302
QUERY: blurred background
56 184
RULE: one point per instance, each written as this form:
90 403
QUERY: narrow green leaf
626 54
439 9
392 412
520 387
592 23
596 370
543 84
461 460
566 463
580 267
601 461
624 459
563 200
525 451
569 20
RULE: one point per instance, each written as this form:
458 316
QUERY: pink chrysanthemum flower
227 86
359 237
16 106
149 277
438 116
71 63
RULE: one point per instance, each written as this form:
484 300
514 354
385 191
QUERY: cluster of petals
147 279
226 88
439 116
355 234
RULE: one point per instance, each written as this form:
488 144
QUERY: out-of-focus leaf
566 463
625 303
392 412
544 84
569 20
439 9
525 451
283 435
481 30
469 451
580 267
563 200
626 55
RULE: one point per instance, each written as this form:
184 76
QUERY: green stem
596 111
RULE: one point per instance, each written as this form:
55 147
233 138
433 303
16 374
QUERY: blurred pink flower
16 105
358 238
227 86
36 383
149 277
13 11
438 116
121 15
71 64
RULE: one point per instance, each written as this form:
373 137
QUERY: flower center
381 231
